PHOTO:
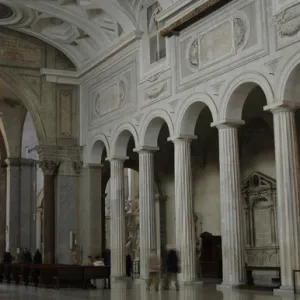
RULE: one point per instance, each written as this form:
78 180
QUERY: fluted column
287 175
148 240
184 210
49 169
231 205
117 220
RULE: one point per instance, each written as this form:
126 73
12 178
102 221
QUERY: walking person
172 264
154 269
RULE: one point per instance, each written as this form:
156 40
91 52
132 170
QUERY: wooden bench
90 272
69 275
249 276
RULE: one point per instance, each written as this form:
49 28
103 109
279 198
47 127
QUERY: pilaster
118 268
148 241
231 205
184 210
287 175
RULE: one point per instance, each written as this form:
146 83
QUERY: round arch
151 126
120 139
96 146
26 96
237 92
189 111
4 141
288 75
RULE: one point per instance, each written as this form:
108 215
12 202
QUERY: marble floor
129 291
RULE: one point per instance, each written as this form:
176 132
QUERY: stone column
147 208
13 194
96 205
2 205
287 175
67 196
117 220
231 205
28 205
131 185
49 168
184 210
39 228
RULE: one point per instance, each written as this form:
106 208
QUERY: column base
284 291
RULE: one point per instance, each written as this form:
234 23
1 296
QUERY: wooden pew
90 272
69 275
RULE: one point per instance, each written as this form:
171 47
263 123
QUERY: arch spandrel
190 110
151 125
237 92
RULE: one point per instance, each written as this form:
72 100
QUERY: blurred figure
37 258
128 265
88 262
154 268
172 264
26 257
98 262
106 257
7 257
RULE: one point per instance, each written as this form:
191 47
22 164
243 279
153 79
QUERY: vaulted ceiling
82 29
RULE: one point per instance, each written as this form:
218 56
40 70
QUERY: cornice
193 15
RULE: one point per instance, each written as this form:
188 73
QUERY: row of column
287 166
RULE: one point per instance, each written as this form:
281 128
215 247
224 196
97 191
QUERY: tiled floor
128 291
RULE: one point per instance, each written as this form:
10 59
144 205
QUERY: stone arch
4 139
237 92
96 148
120 139
189 111
28 98
288 79
151 126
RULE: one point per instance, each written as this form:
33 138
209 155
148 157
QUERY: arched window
157 43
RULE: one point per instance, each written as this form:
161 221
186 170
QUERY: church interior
149 149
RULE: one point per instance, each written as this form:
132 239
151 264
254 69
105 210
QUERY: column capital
182 137
227 123
116 158
143 149
77 165
281 106
49 167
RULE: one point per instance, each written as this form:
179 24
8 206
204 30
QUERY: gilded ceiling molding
195 15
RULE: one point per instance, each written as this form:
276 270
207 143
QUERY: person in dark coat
37 258
106 257
128 265
26 257
7 257
172 264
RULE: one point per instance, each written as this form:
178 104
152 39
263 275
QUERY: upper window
156 41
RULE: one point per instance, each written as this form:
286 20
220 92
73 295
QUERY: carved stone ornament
77 165
288 21
154 92
194 53
122 91
239 32
49 167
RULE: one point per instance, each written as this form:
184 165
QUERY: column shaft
2 205
185 226
287 174
39 229
231 207
148 240
49 168
117 218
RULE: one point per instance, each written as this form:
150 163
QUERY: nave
128 291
